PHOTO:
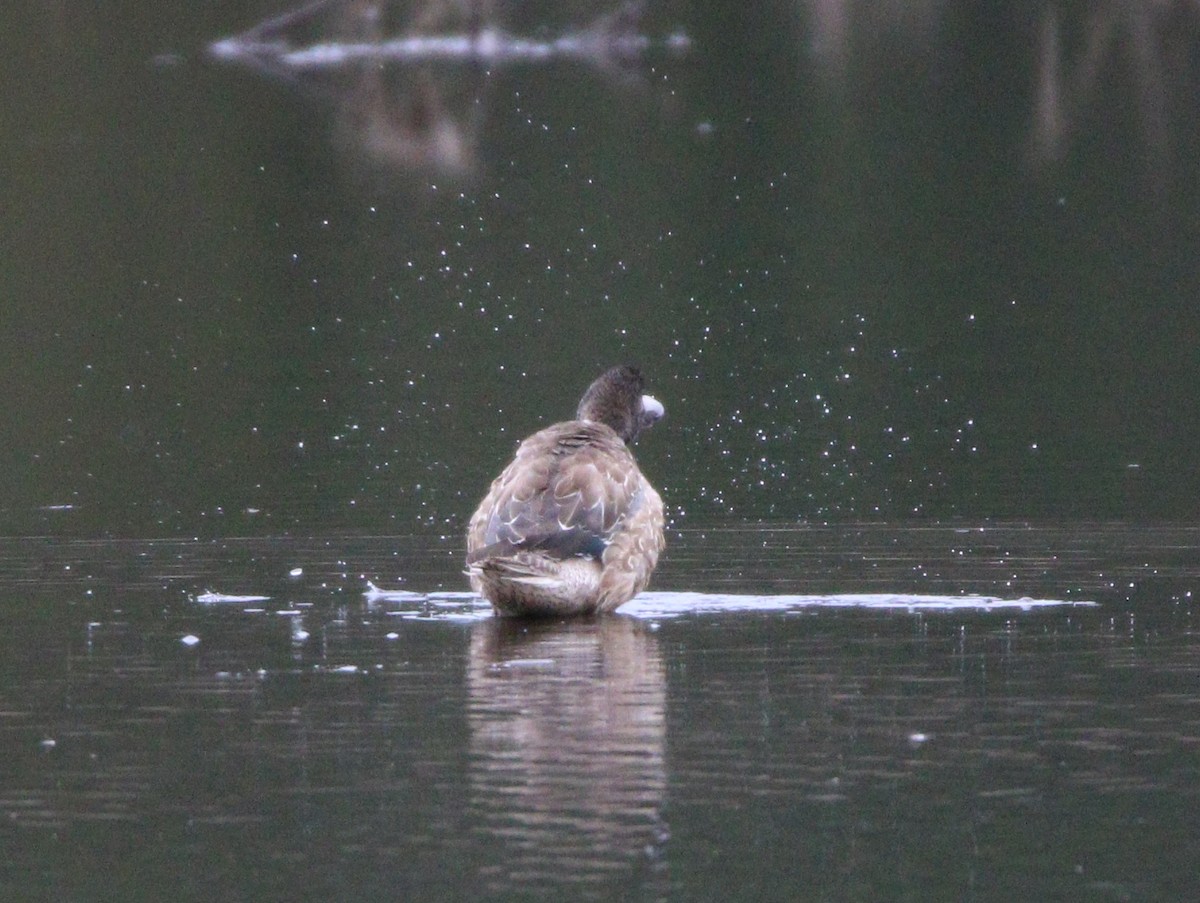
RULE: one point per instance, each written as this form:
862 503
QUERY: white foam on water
669 604
211 598
660 605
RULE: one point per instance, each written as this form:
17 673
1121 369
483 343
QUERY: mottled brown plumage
571 526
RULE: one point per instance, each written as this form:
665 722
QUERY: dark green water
870 271
893 740
918 289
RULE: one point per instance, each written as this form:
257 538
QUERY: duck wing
567 493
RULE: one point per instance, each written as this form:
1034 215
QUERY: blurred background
291 271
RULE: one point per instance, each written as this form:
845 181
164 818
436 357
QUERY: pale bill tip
653 406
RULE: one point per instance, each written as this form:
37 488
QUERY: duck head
617 400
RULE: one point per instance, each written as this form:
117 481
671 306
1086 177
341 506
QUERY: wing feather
566 493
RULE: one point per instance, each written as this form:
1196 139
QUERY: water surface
851 711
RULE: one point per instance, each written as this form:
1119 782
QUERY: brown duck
571 526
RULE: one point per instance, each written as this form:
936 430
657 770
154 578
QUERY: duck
572 526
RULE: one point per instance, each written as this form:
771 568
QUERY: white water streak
660 605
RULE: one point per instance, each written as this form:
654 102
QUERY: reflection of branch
272 30
1050 127
611 36
411 126
409 97
1152 91
1065 89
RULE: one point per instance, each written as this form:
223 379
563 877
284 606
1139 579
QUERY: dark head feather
616 400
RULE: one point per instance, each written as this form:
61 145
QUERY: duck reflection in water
568 730
571 526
